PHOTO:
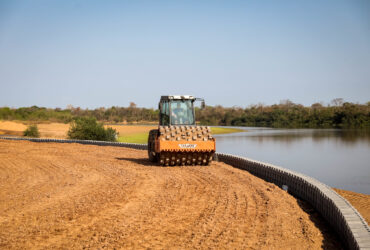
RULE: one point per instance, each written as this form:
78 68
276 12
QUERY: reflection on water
339 158
349 137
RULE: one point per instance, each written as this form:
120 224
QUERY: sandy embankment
59 130
52 130
73 196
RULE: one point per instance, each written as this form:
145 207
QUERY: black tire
153 156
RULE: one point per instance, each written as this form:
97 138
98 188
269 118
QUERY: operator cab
177 110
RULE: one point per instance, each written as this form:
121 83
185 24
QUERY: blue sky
109 53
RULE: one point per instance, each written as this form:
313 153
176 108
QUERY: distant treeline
284 115
290 115
110 115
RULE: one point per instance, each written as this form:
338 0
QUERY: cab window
165 114
182 112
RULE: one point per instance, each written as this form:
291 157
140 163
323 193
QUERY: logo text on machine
187 145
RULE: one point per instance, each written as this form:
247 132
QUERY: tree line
290 115
284 115
107 115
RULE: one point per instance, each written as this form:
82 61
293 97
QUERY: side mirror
203 105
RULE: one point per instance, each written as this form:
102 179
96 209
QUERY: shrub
87 128
31 131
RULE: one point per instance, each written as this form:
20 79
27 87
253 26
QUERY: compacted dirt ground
75 196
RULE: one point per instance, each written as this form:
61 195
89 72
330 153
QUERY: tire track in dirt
75 196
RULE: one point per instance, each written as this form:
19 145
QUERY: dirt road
74 196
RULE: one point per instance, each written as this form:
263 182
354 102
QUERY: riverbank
139 133
57 195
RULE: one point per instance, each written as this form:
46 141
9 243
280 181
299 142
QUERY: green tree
32 131
87 128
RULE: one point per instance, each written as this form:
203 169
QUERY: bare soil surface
59 130
12 128
51 130
360 201
74 196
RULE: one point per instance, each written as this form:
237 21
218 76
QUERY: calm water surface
339 158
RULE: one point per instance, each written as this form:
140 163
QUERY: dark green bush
32 131
87 128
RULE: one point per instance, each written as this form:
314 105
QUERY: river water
339 158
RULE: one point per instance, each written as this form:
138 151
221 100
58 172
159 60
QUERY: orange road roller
178 141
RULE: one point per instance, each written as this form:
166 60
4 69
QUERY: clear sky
109 53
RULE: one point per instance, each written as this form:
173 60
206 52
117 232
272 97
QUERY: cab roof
177 97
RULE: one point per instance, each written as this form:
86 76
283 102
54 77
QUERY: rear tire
153 156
